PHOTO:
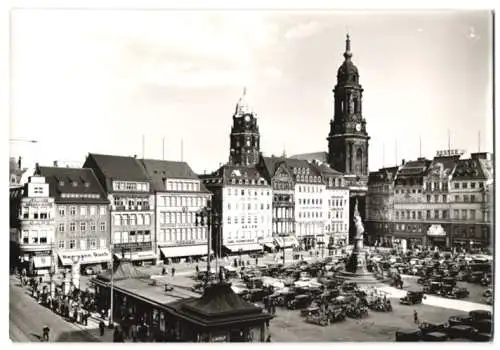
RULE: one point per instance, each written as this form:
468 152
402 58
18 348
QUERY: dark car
412 297
404 335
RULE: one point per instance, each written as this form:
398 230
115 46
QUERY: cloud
303 30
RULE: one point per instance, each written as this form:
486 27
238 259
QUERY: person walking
163 271
102 326
173 271
415 316
197 268
45 333
268 340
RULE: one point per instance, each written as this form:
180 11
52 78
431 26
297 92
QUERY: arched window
359 159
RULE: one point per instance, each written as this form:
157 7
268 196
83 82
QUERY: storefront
138 257
176 253
40 264
436 237
98 258
233 248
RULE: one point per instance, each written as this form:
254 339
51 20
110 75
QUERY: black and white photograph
250 175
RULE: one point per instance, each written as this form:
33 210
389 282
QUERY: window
472 185
93 226
397 215
72 244
132 219
419 213
92 243
102 226
445 214
242 192
72 210
457 185
472 214
92 210
62 211
456 214
428 214
413 215
444 198
436 198
464 185
436 214
457 198
61 244
61 227
83 226
472 198
83 210
464 214
72 227
466 198
147 219
428 198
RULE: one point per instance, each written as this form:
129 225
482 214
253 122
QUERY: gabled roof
117 168
469 169
272 164
383 175
442 166
158 170
321 156
235 175
124 270
80 182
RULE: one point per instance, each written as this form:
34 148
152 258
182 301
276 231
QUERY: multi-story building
81 219
436 205
471 202
132 214
33 215
179 196
380 205
409 228
242 196
335 205
309 194
277 173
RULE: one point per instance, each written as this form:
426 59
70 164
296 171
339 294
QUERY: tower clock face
247 118
358 127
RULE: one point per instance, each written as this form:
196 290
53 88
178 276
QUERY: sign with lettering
219 338
241 241
449 152
85 257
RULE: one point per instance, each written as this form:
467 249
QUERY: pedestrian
45 333
197 268
268 340
173 271
415 316
163 271
256 261
101 327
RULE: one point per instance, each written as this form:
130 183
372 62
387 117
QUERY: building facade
380 205
242 197
132 206
35 236
471 202
81 219
309 195
278 174
335 206
179 196
348 139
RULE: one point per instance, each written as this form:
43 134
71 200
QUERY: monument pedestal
356 270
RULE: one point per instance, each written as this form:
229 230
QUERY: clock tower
348 139
244 138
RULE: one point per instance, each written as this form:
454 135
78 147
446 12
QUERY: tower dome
243 107
347 71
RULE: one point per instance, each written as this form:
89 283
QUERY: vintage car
404 335
412 297
432 287
488 293
459 321
461 331
475 277
449 281
427 327
311 310
448 291
478 315
356 311
318 319
299 302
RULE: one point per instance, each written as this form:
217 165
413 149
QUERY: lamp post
208 217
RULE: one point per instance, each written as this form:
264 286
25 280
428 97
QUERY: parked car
412 298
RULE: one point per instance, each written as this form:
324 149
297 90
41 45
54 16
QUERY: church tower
348 139
244 138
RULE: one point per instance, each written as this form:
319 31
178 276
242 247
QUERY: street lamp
208 217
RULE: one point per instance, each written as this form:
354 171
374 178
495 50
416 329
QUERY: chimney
55 163
37 169
403 162
19 163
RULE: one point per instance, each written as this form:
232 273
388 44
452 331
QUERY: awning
137 256
286 242
269 245
279 241
436 230
85 257
41 261
243 247
190 250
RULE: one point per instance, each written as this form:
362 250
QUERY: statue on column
360 230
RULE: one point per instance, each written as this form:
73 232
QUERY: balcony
35 247
131 208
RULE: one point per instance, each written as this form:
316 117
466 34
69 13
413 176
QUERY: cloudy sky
96 81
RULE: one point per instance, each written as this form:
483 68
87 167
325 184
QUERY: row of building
446 201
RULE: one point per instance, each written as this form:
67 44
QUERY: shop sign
232 241
192 242
85 255
36 202
219 338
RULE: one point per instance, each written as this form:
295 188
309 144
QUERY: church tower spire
348 139
244 138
